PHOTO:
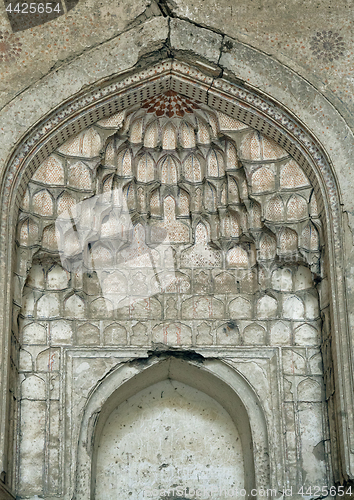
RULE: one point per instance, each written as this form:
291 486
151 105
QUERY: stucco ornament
232 181
327 45
10 46
170 223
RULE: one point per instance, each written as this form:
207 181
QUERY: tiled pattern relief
242 222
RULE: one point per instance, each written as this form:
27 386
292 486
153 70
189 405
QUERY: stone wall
168 224
230 241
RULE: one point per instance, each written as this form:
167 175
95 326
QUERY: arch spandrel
281 231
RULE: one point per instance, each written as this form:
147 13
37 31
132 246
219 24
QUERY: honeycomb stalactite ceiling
217 212
169 223
170 104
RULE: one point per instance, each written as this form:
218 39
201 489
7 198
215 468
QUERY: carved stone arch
253 108
220 380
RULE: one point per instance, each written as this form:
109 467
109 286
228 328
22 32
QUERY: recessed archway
252 117
218 387
168 437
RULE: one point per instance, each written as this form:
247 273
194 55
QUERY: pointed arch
169 137
296 208
118 386
124 162
275 209
322 187
145 168
186 136
215 164
169 170
192 169
263 179
151 135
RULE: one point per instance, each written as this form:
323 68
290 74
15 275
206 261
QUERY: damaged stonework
175 225
159 350
209 377
235 201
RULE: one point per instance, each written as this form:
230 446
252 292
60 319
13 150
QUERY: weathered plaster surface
189 38
312 108
265 45
285 31
108 59
50 45
190 441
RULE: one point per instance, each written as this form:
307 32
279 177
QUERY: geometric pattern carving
231 201
244 246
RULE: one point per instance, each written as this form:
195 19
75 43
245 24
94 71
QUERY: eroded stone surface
187 431
89 24
267 322
221 256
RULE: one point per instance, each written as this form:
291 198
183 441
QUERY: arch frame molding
245 104
211 376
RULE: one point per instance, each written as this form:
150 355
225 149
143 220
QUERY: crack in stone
165 8
350 223
161 350
220 75
155 9
152 10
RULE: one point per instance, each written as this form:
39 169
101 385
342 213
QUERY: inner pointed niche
175 188
168 436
